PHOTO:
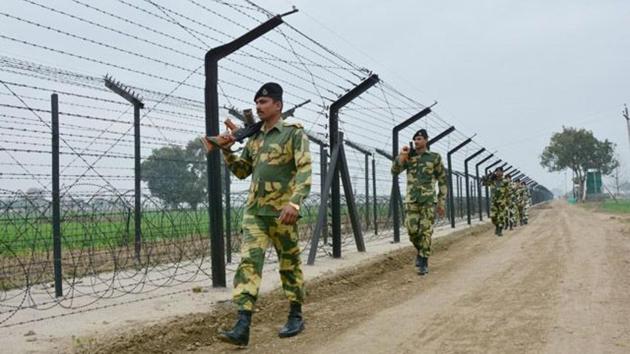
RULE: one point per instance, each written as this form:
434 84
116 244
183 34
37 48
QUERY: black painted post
335 195
367 191
450 176
480 151
137 179
228 214
56 200
211 96
323 164
479 193
440 136
126 93
375 205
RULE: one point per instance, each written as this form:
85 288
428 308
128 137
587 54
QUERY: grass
28 234
621 206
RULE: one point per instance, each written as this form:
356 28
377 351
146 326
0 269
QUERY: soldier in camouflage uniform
500 190
524 202
513 214
279 161
424 169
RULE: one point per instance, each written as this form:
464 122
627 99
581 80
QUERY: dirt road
558 285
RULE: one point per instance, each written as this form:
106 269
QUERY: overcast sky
512 71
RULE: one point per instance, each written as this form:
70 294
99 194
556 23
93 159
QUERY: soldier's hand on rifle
440 210
404 154
289 215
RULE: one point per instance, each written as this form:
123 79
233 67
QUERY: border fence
103 196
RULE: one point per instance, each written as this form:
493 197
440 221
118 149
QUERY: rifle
251 127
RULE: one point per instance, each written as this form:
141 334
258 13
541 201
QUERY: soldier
513 214
279 161
424 169
500 192
525 197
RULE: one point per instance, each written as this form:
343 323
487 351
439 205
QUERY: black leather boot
295 322
499 231
424 265
239 335
418 261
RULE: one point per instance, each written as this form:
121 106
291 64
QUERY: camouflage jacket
500 189
422 172
279 161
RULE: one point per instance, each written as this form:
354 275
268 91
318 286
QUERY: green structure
593 182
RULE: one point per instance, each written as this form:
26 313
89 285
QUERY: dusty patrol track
557 285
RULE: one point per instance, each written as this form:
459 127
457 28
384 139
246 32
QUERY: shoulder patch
293 124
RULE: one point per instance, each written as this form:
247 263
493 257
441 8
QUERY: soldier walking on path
524 202
279 162
513 214
424 169
500 190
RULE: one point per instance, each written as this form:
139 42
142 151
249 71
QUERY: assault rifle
251 127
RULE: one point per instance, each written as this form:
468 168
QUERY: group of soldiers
510 201
277 157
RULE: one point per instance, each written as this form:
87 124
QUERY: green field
619 206
20 235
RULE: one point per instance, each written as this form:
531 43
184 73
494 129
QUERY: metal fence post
479 194
450 177
335 195
467 181
56 202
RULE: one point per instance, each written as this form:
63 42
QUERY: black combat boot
239 335
295 322
499 231
418 261
424 265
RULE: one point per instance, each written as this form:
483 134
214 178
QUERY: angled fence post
335 196
479 196
480 151
126 93
450 178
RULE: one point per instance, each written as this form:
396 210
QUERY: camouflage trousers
498 213
419 222
523 212
513 214
258 233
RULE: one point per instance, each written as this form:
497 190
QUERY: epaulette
293 124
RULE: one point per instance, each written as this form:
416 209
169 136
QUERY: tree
175 176
579 150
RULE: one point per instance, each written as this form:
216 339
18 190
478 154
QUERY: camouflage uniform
513 204
422 172
279 161
500 190
524 205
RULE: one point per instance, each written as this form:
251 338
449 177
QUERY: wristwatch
295 206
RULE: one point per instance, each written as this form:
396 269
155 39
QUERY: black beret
270 89
422 132
498 169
